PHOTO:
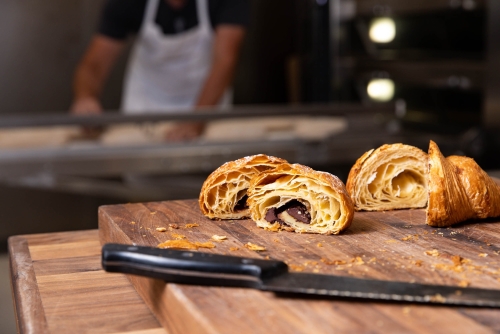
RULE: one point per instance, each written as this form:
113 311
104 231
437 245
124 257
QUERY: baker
184 56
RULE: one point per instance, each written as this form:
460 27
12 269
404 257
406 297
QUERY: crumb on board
255 247
483 255
310 263
391 241
192 225
174 226
334 262
357 261
446 267
437 298
233 249
152 213
295 267
433 252
219 238
418 263
463 284
319 244
161 229
406 310
457 260
276 240
132 223
185 244
274 227
178 236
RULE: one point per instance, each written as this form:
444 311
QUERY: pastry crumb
483 255
132 223
433 252
219 238
161 229
192 225
418 263
319 244
334 262
274 227
254 247
185 244
178 236
463 284
437 298
391 241
457 260
233 249
295 267
174 226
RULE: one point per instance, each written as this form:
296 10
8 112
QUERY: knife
198 268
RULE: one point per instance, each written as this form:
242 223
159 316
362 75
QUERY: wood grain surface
60 287
392 245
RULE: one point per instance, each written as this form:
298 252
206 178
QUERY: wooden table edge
29 312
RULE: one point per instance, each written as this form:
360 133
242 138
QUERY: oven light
382 30
381 90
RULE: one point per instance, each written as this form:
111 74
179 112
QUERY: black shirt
122 18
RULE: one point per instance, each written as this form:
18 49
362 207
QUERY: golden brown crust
393 176
324 195
227 185
483 193
448 201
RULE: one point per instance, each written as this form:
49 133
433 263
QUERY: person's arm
227 44
92 72
226 48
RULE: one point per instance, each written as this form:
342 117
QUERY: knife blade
199 268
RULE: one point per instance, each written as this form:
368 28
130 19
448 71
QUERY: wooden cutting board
395 245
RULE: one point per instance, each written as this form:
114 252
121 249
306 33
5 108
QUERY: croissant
224 192
389 177
459 190
297 198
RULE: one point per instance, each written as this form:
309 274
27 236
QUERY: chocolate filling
294 208
242 204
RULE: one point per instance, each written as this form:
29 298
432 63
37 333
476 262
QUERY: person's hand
86 106
185 131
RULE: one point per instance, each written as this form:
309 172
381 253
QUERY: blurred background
318 82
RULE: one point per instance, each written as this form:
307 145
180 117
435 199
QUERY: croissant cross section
297 198
224 192
389 177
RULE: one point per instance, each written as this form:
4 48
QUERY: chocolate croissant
389 177
297 198
459 190
224 193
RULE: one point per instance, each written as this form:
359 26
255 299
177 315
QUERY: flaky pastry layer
223 194
321 194
390 177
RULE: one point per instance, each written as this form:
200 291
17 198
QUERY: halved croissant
389 177
297 198
459 190
224 192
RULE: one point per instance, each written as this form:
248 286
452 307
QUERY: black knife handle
189 267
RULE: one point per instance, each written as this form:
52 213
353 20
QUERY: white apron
167 72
